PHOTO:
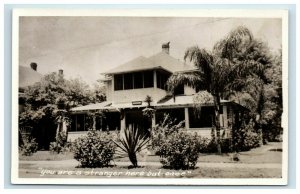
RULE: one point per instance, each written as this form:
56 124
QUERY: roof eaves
137 70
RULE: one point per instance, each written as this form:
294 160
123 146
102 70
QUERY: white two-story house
129 84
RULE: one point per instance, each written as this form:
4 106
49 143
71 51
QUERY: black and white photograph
150 97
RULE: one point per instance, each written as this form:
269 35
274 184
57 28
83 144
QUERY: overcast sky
88 46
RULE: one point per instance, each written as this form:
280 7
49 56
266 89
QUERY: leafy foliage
211 146
96 149
29 147
45 101
179 150
131 143
162 130
92 116
60 145
148 112
246 138
230 67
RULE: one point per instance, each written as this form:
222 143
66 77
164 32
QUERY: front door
135 119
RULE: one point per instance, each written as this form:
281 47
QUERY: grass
46 156
264 154
253 164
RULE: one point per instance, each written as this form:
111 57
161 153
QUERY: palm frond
201 58
192 79
236 43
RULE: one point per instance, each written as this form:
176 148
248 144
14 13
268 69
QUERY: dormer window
118 82
148 79
138 80
162 78
128 81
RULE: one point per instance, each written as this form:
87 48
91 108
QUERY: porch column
186 118
154 79
123 124
94 122
153 120
225 120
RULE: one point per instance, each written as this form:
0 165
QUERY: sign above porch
137 102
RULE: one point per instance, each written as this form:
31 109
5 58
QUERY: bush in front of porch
177 148
96 149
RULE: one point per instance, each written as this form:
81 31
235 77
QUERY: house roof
180 101
160 60
28 76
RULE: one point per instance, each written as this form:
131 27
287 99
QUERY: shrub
251 140
179 150
29 147
162 130
60 145
246 138
96 149
132 142
212 146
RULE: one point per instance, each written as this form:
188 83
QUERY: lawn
262 162
264 154
46 156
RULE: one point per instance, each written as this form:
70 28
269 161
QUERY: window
162 79
201 119
148 79
179 90
128 81
78 122
118 82
73 123
158 79
176 115
138 80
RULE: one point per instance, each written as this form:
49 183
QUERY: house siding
109 90
125 96
189 90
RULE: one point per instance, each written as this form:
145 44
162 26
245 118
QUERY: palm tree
224 70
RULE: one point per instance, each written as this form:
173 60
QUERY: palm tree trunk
217 107
259 110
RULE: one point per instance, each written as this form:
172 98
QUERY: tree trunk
217 104
259 110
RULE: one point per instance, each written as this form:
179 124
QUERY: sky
86 47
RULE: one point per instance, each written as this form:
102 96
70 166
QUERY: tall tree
47 100
224 70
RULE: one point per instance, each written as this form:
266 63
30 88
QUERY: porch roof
182 100
96 106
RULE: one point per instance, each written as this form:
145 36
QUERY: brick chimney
166 47
33 66
60 72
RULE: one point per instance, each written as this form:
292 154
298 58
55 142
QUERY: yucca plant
132 142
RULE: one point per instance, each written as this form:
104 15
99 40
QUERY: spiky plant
131 143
